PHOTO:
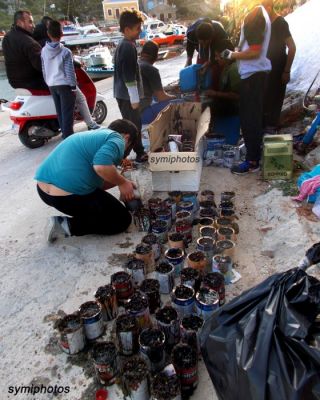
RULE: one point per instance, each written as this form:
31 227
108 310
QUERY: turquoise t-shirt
70 165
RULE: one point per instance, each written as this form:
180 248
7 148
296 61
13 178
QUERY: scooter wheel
28 140
100 112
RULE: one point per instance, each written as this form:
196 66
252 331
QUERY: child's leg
67 101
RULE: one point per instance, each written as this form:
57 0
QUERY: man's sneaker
94 126
57 228
245 167
142 158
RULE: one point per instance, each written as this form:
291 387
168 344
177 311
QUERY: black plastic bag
256 347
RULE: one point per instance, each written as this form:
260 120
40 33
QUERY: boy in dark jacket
58 72
127 82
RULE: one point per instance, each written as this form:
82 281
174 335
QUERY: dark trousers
134 116
251 113
274 96
64 100
96 213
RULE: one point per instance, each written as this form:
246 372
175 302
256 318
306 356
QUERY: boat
98 62
162 39
76 35
97 73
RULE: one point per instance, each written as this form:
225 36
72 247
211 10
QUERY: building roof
120 1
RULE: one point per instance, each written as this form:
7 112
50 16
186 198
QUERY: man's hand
126 190
226 54
135 106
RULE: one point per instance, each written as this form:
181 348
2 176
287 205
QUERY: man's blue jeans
64 101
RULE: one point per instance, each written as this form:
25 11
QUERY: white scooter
34 115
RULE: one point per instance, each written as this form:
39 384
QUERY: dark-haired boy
75 176
58 73
127 82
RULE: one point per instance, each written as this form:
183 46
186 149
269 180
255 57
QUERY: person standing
281 53
22 53
127 82
75 176
59 75
40 33
152 85
253 67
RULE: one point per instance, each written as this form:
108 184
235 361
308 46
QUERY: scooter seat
40 92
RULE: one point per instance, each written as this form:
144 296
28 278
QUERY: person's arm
69 69
192 45
222 95
33 52
290 57
128 72
111 178
153 76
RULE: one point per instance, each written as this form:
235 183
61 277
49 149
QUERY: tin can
105 361
225 268
226 233
122 282
142 219
164 215
228 214
135 268
167 320
172 207
72 339
184 216
207 195
165 276
215 281
106 296
206 221
138 307
155 204
186 206
145 253
207 301
190 277
197 260
166 385
182 298
185 228
151 342
208 231
150 287
185 361
91 316
207 245
226 247
208 213
176 240
160 229
228 196
153 241
226 205
206 204
135 379
193 197
127 333
191 327
176 258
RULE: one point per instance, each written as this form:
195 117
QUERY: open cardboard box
182 170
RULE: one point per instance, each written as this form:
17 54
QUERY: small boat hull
97 73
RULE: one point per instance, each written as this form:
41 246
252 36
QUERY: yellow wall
123 6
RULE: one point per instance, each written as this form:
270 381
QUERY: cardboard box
277 157
181 170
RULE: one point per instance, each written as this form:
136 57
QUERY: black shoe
57 228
